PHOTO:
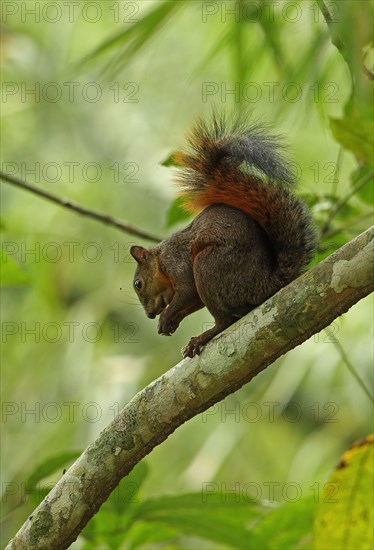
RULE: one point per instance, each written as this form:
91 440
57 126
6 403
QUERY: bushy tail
241 165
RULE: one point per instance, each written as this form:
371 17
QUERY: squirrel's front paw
167 325
193 347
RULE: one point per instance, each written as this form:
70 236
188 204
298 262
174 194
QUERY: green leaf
218 517
328 246
10 272
171 160
176 213
109 526
134 37
312 199
345 515
217 49
128 489
274 43
143 533
280 530
346 212
356 135
48 467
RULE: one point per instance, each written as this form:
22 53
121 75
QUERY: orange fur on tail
241 165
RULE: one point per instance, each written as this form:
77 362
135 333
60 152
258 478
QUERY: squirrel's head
155 291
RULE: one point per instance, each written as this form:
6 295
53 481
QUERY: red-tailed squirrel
252 237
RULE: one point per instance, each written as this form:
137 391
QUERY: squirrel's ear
139 253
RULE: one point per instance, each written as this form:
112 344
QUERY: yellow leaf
344 516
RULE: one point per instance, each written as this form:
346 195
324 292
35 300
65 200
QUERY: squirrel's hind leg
196 343
213 294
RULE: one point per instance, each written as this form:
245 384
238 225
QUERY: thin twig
335 38
352 370
338 168
70 205
368 73
352 223
363 181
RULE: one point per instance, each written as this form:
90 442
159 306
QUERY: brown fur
252 237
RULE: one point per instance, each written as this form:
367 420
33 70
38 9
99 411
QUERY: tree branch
98 216
232 359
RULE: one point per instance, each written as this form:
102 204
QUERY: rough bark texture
232 359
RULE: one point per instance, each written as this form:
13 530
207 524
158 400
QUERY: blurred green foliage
94 97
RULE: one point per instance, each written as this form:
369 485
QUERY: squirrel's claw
167 326
193 347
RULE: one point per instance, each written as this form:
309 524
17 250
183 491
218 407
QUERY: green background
96 128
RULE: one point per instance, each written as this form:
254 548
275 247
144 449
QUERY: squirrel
252 237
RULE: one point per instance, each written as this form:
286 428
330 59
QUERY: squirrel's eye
138 284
